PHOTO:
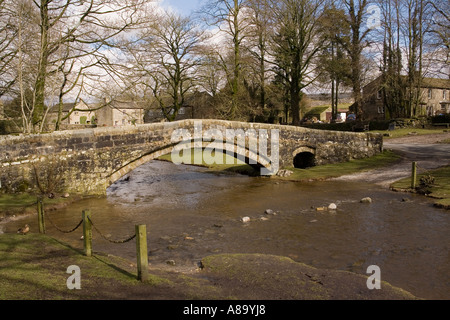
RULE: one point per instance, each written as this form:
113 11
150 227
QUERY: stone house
121 113
434 96
80 114
437 96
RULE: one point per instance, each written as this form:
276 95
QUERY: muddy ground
426 150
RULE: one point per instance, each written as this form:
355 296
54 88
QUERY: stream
191 213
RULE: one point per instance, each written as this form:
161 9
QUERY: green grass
439 190
315 173
34 267
224 163
398 133
11 204
17 200
339 169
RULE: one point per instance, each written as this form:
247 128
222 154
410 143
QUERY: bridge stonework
88 161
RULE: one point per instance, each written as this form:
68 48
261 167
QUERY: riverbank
430 150
34 266
431 183
318 173
15 206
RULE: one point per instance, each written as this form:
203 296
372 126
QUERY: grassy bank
339 169
34 267
23 203
405 132
439 189
315 173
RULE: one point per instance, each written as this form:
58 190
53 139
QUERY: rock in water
366 200
245 219
284 173
332 206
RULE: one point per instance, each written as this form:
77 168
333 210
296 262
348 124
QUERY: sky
184 7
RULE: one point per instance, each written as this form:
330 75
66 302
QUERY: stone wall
87 161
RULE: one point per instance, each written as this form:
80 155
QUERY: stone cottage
121 113
434 96
79 113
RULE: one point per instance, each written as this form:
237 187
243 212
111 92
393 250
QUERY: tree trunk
39 94
295 103
237 63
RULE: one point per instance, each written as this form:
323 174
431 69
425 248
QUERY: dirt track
426 150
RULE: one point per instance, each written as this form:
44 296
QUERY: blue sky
184 7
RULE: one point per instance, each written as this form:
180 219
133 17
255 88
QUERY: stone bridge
88 161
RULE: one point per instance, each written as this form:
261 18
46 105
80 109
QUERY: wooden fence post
141 251
87 233
414 175
40 209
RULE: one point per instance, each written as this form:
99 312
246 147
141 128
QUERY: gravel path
426 150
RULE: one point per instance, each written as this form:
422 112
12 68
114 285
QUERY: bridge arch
304 157
237 151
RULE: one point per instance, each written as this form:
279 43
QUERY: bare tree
393 84
440 31
164 60
8 33
406 32
334 61
356 12
258 36
70 36
295 46
227 16
210 73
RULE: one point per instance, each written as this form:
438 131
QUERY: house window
379 95
380 109
430 93
181 111
444 94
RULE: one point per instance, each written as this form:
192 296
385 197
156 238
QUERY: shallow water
190 213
